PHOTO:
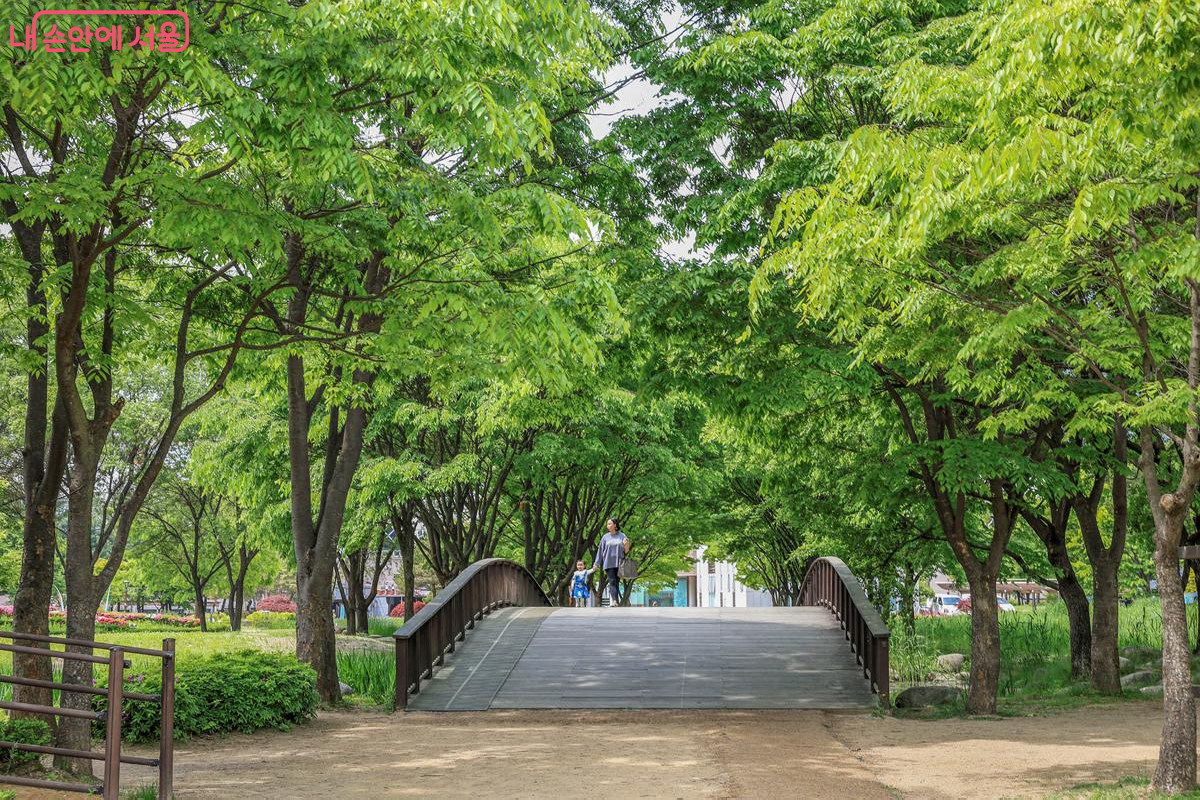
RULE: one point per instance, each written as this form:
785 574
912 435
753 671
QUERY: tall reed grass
372 673
1035 644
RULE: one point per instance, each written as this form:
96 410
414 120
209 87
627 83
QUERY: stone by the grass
1152 691
1134 678
1140 653
1125 664
950 662
341 629
347 689
925 696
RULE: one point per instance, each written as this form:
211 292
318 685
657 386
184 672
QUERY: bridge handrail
477 591
830 583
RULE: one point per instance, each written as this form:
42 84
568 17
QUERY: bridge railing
432 632
830 583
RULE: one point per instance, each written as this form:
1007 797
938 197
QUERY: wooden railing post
400 702
112 724
166 738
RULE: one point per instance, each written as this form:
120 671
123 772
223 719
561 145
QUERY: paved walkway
650 658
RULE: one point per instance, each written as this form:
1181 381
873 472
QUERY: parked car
942 605
964 605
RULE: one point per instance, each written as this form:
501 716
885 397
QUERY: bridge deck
650 658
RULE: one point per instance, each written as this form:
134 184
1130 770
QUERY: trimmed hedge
240 691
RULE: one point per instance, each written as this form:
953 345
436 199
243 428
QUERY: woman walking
609 555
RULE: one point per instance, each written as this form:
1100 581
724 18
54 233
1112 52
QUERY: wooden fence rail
115 694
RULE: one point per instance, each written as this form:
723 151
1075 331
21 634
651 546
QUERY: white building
714 584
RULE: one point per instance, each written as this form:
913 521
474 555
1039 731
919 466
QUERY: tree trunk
909 600
364 626
31 605
1052 531
341 579
410 583
201 608
1176 771
316 642
1106 664
1079 624
985 645
42 472
82 604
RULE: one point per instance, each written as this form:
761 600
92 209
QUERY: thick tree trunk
364 626
1105 561
82 603
1176 771
316 642
985 646
42 472
31 606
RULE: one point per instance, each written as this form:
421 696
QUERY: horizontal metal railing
115 694
830 583
478 590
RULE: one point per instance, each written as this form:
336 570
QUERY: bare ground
668 754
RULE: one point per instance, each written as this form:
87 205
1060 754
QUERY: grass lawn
1124 789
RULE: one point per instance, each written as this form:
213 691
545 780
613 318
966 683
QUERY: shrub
23 731
398 611
276 602
270 619
242 691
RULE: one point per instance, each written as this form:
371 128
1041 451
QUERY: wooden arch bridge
493 639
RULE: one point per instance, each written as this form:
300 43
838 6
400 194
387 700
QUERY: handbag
627 569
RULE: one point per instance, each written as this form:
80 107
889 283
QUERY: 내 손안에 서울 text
78 31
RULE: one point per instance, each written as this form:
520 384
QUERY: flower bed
115 620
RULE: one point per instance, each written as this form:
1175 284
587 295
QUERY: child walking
579 585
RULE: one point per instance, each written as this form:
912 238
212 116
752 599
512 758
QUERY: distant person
579 585
609 555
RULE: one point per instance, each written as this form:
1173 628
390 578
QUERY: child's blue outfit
579 587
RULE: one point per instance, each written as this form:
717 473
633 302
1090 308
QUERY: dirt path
621 754
669 754
1015 757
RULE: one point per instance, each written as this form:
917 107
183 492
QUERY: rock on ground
1134 678
924 696
1140 653
951 662
347 689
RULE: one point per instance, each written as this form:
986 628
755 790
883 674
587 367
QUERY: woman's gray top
611 550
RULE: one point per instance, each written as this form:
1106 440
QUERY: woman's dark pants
614 585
